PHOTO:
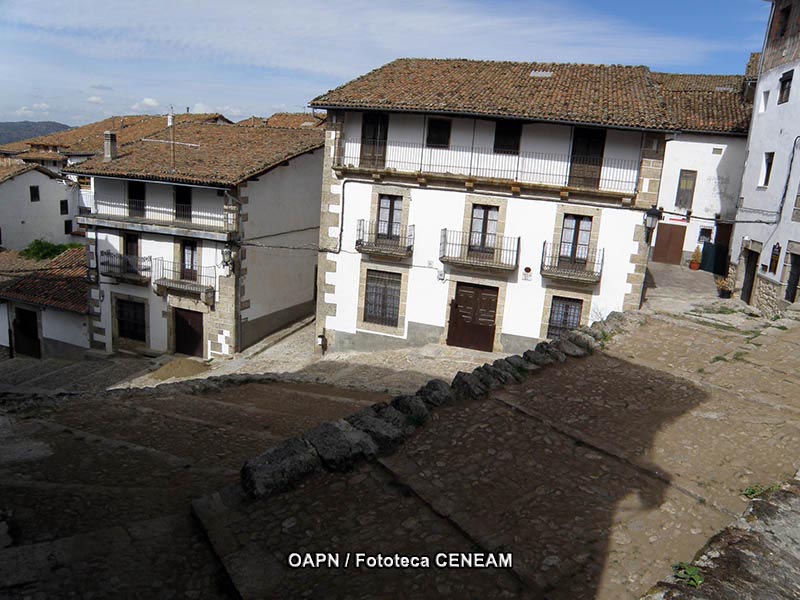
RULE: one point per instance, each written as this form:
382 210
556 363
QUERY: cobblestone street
597 474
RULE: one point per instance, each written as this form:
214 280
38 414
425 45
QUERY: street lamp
651 219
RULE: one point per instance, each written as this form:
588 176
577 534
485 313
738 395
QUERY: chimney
109 146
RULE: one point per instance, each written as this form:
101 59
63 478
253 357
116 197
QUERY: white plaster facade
270 223
768 219
23 221
719 162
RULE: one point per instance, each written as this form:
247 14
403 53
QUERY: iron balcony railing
580 266
538 168
485 251
179 216
124 266
180 277
390 239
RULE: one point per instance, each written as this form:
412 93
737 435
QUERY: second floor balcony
177 277
596 173
568 264
213 223
384 239
484 251
132 269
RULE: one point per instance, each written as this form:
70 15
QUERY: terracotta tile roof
610 95
217 155
12 266
41 155
59 283
752 66
290 120
709 103
11 170
88 139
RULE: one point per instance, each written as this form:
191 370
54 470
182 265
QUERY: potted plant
697 257
724 288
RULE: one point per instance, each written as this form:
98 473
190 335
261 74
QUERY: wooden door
794 279
588 146
374 130
669 244
472 317
26 333
750 268
188 332
131 253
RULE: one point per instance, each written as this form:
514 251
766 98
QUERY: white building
703 162
765 257
44 306
475 204
202 237
35 203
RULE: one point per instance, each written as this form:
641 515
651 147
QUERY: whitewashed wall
433 210
4 325
23 221
67 327
775 128
719 179
544 151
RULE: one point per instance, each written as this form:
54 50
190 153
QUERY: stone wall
653 148
768 297
329 223
221 323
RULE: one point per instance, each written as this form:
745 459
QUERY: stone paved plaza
597 474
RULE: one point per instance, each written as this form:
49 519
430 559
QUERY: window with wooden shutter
686 185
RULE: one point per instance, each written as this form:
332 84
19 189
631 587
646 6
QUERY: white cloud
232 112
24 111
145 104
200 107
95 100
100 87
41 106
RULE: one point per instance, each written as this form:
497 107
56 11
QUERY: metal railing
384 238
542 168
488 251
177 276
585 267
125 266
180 215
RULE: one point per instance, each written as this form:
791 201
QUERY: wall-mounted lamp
651 219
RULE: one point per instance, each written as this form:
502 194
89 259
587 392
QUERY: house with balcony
765 250
202 237
486 204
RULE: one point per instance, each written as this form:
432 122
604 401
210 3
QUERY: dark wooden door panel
588 147
374 133
472 317
188 332
750 269
669 244
26 333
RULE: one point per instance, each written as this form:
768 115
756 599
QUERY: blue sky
83 60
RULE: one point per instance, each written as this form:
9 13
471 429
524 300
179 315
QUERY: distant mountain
14 131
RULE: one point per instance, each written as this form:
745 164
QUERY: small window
34 193
68 226
705 235
84 182
136 190
390 216
438 133
769 158
774 258
382 298
764 101
64 207
786 87
565 315
686 185
507 135
717 151
483 229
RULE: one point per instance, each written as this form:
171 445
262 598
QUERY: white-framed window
766 168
